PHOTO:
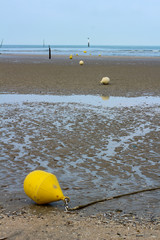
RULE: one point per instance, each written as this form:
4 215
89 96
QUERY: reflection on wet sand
105 97
93 100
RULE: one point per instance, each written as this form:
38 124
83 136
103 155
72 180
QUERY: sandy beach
130 76
28 132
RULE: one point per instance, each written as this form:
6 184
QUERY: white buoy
81 62
105 80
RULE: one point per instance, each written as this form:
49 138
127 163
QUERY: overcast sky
106 22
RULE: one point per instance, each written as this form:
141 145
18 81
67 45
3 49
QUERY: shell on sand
81 62
105 80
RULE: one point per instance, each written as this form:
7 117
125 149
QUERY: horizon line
84 45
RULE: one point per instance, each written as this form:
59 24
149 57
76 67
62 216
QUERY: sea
141 51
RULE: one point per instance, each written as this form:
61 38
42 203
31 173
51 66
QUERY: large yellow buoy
43 187
71 56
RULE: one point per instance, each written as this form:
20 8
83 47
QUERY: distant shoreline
40 57
97 50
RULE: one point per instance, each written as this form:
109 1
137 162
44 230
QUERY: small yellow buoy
43 187
77 54
70 56
84 51
105 80
81 62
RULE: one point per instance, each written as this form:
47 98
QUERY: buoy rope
110 198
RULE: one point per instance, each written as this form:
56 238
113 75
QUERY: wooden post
49 52
88 43
1 43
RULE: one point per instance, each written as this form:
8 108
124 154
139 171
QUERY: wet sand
95 152
61 75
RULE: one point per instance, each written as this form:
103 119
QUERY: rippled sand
95 151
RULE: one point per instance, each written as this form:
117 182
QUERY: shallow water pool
94 100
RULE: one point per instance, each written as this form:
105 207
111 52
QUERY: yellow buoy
71 56
84 51
43 187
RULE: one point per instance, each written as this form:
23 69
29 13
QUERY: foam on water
150 51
